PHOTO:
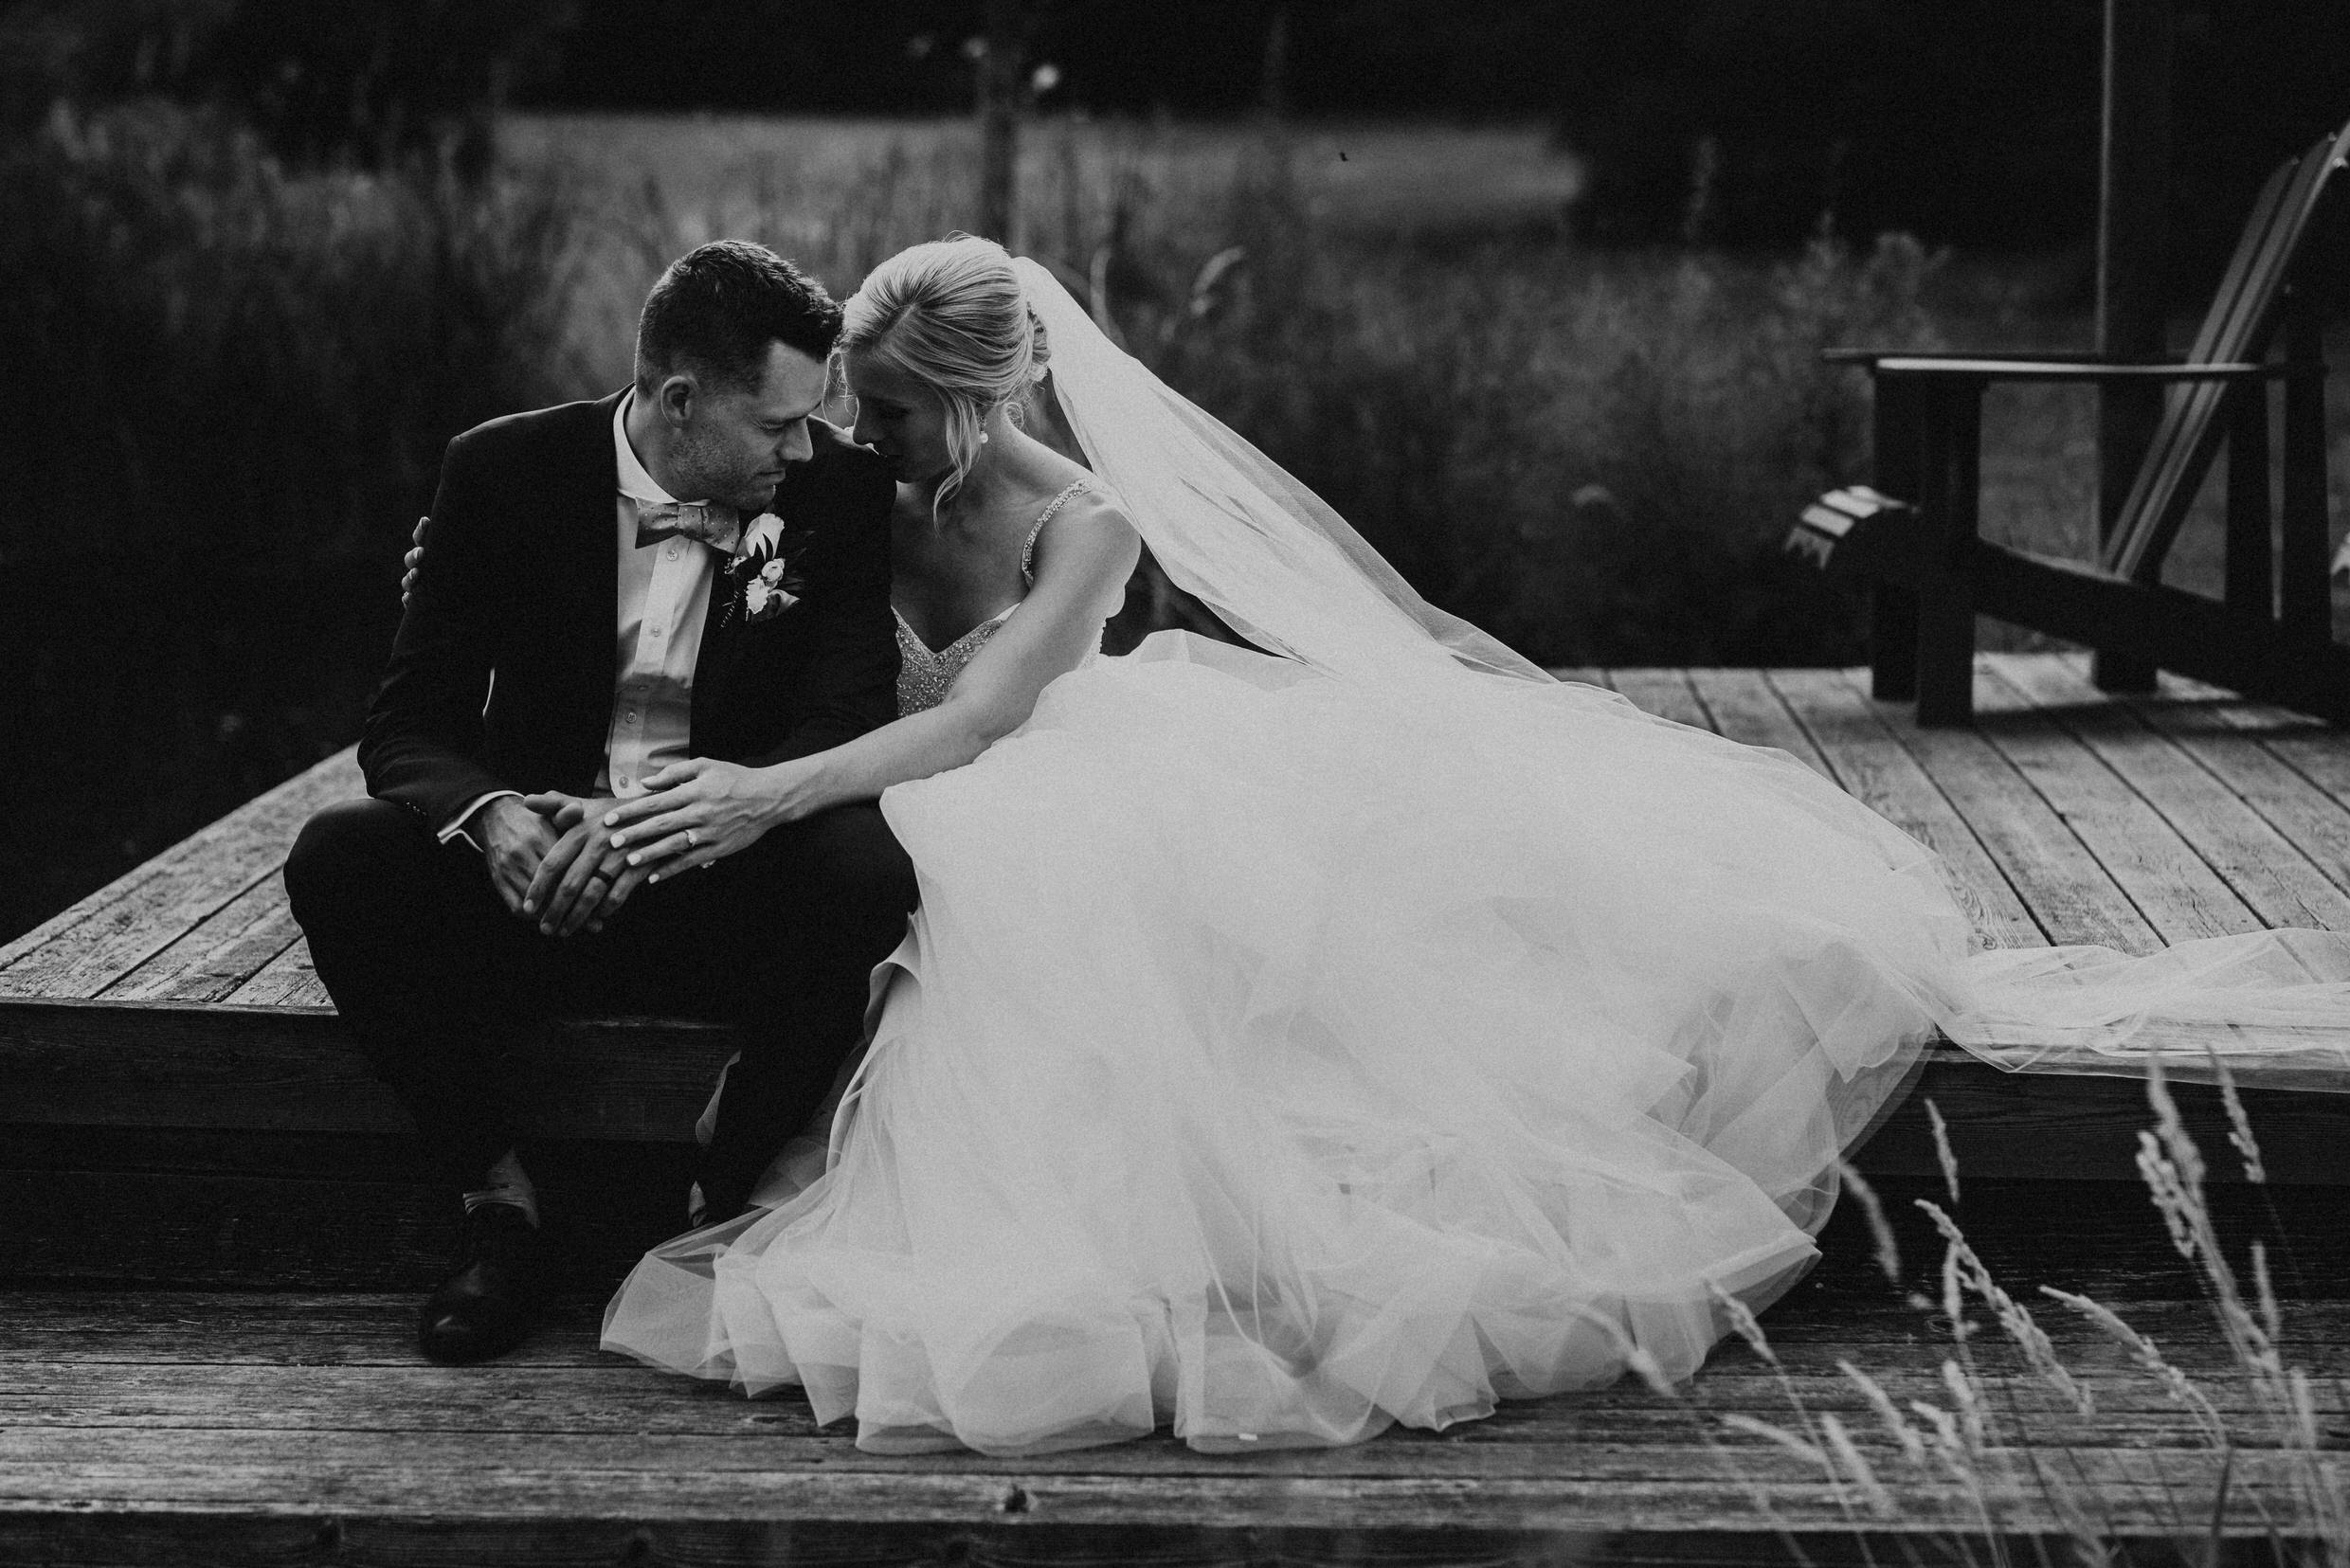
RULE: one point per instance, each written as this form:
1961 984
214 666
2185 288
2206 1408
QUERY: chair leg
2113 672
1892 642
1951 455
1945 658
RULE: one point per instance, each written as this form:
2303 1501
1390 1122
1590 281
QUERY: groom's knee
342 849
849 860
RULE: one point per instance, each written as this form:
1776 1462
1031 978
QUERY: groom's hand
571 889
514 838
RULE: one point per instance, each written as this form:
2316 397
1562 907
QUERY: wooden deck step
237 1429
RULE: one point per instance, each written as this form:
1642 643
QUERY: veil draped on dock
1275 562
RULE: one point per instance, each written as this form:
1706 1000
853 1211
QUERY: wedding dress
1291 1043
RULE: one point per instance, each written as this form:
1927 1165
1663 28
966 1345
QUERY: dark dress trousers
502 677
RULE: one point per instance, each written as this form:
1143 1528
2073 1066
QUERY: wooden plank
124 925
1863 754
63 1222
94 1066
2317 823
1746 707
1588 1486
2082 1127
288 980
2318 751
2070 897
1650 1434
2180 897
293 1329
219 953
1666 694
181 1537
2269 871
363 1223
147 1064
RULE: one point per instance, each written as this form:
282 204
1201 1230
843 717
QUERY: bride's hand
698 811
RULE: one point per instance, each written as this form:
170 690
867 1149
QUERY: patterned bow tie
719 527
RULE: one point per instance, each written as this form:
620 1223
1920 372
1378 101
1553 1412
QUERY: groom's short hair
718 307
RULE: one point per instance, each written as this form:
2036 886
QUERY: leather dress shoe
490 1304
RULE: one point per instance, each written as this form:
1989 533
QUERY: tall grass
229 387
2005 1462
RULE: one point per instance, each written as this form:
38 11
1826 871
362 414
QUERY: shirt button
656 630
671 552
621 780
632 715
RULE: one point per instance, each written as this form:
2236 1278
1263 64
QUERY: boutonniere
766 569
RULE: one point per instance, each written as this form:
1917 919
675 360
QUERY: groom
604 594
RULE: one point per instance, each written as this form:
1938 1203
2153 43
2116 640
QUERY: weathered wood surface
220 1418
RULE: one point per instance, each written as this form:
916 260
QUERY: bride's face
899 418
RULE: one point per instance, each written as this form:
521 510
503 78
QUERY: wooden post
2132 262
1003 93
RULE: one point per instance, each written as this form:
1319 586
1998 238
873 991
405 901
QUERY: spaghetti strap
1028 550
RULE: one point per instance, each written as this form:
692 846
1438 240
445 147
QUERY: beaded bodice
925 674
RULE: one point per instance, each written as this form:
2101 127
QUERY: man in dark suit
693 567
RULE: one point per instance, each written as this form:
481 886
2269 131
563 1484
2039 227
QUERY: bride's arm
1084 559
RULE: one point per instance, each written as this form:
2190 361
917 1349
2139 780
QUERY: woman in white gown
1292 1043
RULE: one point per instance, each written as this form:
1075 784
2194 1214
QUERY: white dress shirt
664 595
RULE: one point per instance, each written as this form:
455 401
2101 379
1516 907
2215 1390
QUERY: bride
1294 1042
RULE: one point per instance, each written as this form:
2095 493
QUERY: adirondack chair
1913 536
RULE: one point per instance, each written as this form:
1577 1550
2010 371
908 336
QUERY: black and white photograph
1239 782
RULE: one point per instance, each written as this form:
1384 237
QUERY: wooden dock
210 1235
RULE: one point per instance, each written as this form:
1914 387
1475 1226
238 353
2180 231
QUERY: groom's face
729 444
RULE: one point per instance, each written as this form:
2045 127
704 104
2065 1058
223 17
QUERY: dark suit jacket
502 674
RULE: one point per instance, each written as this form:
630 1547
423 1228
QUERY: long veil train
1278 563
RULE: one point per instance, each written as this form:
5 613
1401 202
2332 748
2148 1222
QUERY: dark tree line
1734 122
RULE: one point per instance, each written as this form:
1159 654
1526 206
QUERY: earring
983 437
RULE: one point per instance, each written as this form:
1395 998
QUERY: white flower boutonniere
764 563
765 533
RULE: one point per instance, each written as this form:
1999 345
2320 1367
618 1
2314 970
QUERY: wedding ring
691 840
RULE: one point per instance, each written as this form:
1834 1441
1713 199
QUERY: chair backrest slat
2242 319
2260 229
2187 438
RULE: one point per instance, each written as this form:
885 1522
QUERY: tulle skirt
1277 1058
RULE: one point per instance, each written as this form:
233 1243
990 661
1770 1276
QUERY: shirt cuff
456 823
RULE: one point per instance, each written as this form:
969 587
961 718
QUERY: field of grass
839 194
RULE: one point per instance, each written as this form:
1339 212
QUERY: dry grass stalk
1943 1152
1880 1230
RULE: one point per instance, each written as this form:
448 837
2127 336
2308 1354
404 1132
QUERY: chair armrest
1871 357
1915 366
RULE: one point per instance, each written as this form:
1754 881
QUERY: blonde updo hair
953 316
